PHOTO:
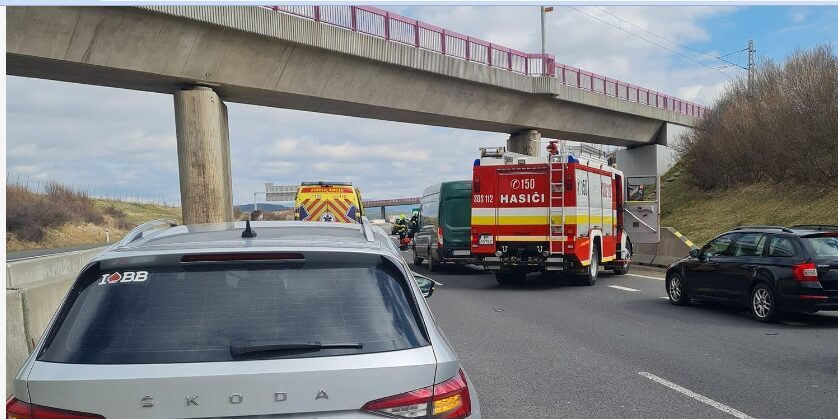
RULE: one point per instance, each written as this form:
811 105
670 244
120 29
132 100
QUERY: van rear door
456 218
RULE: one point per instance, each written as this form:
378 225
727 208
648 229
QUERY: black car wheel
417 261
677 290
763 304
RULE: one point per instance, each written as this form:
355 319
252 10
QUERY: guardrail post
416 33
316 13
468 48
489 55
386 25
353 18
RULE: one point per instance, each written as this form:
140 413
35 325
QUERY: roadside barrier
34 289
672 247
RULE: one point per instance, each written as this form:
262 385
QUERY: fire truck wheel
433 267
623 270
417 261
589 278
510 277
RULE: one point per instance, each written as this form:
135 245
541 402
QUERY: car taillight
16 409
449 400
439 236
805 272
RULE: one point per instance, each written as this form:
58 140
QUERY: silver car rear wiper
251 347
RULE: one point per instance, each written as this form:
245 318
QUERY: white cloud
798 15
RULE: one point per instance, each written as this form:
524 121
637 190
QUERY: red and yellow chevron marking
316 208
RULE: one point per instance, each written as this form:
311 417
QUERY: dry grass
701 214
63 217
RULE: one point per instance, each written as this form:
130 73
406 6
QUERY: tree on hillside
784 129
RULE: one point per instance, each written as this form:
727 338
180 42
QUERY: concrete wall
257 56
61 266
672 247
653 159
35 287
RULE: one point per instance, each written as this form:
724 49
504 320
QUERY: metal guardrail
394 27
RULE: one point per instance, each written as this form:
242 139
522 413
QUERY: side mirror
694 253
426 285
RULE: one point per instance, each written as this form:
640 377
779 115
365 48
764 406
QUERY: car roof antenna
248 232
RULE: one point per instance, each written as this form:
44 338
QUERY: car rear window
823 247
195 313
458 212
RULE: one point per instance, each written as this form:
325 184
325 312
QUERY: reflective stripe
523 238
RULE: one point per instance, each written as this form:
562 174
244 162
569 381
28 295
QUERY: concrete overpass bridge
346 60
384 203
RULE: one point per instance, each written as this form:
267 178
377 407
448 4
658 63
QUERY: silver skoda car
273 319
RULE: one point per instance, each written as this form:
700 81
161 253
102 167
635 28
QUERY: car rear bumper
455 255
550 263
809 303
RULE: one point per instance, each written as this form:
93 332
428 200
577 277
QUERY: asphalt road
547 350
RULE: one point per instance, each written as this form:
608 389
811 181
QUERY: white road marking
624 288
665 298
647 277
689 393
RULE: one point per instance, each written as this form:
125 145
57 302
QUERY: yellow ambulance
336 202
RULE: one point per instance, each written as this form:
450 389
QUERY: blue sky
136 129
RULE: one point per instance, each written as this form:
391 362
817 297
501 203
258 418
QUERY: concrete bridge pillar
525 142
383 213
203 146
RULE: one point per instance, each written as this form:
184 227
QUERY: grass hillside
62 217
702 214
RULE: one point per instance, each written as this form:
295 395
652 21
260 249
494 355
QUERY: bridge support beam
383 213
203 145
525 142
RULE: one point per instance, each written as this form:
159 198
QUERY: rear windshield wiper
252 347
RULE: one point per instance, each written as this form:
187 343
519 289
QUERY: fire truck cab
556 214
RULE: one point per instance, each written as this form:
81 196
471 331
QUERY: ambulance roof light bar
322 183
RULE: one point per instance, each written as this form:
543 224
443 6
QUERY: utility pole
751 65
543 26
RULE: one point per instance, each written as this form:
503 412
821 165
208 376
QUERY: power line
679 44
649 41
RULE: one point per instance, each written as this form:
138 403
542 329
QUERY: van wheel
763 303
433 267
510 277
417 261
589 278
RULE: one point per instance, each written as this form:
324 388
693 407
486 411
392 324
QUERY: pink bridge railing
394 27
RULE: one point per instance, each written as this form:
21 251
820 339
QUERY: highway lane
619 349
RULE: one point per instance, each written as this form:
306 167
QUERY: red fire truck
559 213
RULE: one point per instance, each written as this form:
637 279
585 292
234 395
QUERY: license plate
462 252
486 239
